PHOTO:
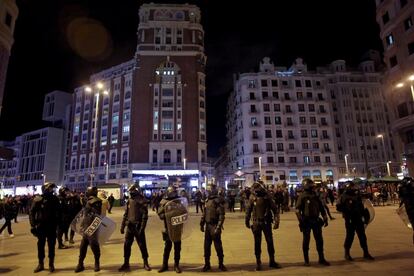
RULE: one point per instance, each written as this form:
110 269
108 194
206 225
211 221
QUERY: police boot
258 264
79 267
164 266
146 265
125 266
207 266
367 256
177 267
322 259
273 264
39 267
97 266
222 267
51 264
348 255
306 258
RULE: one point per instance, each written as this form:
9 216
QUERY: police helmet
134 190
171 192
308 184
91 191
63 190
48 187
212 189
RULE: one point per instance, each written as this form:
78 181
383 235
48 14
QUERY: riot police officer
263 211
135 219
308 210
44 215
406 193
93 207
65 216
352 208
212 223
171 194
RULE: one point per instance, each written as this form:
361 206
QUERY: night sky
237 36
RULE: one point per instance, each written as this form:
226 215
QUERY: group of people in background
51 215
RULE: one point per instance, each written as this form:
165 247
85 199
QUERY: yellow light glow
99 85
399 85
88 89
411 78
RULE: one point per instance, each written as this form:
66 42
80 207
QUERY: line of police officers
261 213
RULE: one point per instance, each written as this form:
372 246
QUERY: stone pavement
389 240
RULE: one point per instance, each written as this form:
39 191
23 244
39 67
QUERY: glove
217 231
276 225
202 228
325 222
141 230
123 230
33 230
247 224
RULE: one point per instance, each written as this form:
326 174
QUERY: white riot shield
369 211
402 213
177 217
93 226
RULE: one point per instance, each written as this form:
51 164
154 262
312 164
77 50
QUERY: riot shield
93 226
177 217
402 213
369 211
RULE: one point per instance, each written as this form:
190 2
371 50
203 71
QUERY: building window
270 159
252 96
113 159
279 146
276 107
274 83
8 19
255 160
266 107
263 83
124 157
393 61
268 133
269 147
102 162
301 107
279 133
167 156
298 83
389 39
306 159
267 120
281 159
385 18
411 48
408 23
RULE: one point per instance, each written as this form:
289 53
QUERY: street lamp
346 164
99 90
260 167
388 168
401 84
106 172
44 178
185 161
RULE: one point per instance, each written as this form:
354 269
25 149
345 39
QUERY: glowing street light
260 167
346 164
100 89
388 168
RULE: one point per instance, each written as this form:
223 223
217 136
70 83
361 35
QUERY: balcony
403 124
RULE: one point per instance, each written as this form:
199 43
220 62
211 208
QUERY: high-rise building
38 155
169 89
152 122
395 19
279 125
361 120
8 16
288 125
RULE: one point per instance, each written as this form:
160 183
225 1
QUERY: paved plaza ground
389 240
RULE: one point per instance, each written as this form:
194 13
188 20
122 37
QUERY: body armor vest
135 212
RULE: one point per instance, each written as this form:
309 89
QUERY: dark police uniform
44 216
352 208
263 211
93 206
135 219
406 193
212 223
308 210
171 194
65 216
